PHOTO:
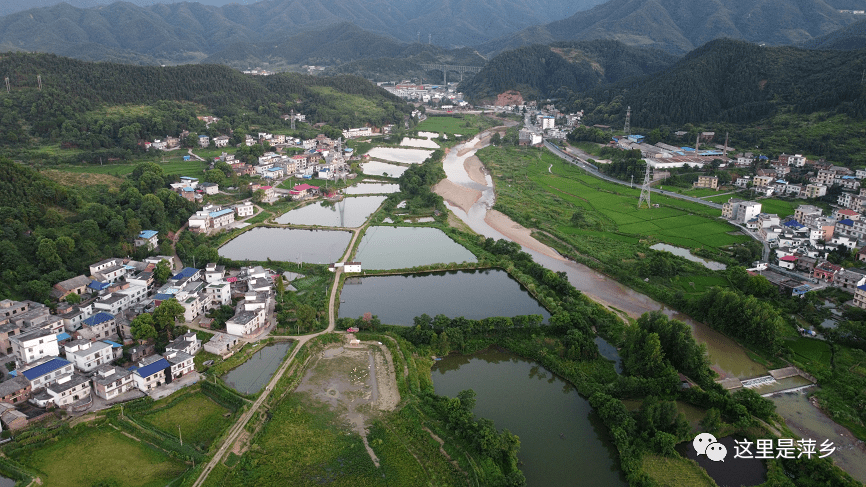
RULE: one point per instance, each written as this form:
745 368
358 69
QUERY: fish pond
376 168
349 212
386 247
474 295
288 245
686 254
251 376
373 188
403 156
562 441
732 472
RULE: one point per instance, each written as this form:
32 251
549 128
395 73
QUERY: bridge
450 67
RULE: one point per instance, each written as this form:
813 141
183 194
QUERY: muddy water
728 358
288 245
686 254
807 421
347 213
562 441
252 375
402 247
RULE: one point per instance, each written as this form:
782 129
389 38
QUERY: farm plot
199 418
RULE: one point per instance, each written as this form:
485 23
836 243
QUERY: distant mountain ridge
189 32
847 38
678 26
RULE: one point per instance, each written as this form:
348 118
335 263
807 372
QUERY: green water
562 441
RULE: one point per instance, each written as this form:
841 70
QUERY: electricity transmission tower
293 119
627 128
645 189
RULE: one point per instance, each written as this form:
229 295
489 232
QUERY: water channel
346 213
562 441
251 376
686 254
386 247
288 245
398 299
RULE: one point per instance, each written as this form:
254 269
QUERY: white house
46 371
87 355
151 373
209 188
108 270
219 294
221 343
357 132
110 381
187 343
245 322
222 218
148 238
221 141
65 391
203 141
30 347
181 363
245 209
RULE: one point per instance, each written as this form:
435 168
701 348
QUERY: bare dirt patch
475 169
510 97
357 381
242 444
457 195
75 179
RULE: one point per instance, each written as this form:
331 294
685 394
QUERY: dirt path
443 452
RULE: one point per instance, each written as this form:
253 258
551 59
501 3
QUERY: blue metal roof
215 214
793 224
14 373
63 336
185 272
147 233
98 318
149 370
98 286
113 344
163 296
846 222
42 369
862 288
188 189
188 178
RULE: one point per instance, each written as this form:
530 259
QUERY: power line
645 190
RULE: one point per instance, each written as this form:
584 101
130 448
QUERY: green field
90 455
675 472
187 168
811 350
782 208
721 199
467 126
201 420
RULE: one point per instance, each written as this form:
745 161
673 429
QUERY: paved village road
240 425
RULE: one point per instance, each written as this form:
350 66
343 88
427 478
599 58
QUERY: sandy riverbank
475 169
457 195
518 233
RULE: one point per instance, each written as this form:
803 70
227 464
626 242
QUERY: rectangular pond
397 154
426 143
288 245
475 295
376 168
402 247
251 376
347 213
372 188
562 441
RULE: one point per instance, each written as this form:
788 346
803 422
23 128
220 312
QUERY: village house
151 373
214 273
46 371
34 345
187 343
270 194
826 271
806 214
147 238
15 390
849 279
87 355
860 297
108 270
814 190
181 363
762 181
203 141
245 323
303 191
221 344
244 209
209 188
100 325
221 141
222 218
110 381
65 391
76 285
140 351
218 294
710 182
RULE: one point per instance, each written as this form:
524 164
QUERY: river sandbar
475 169
457 195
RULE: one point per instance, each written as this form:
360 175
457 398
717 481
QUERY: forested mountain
734 81
52 232
336 45
562 68
678 26
72 107
847 38
189 32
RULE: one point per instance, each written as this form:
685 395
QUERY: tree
712 421
73 298
215 176
496 139
306 317
166 315
142 327
258 196
162 271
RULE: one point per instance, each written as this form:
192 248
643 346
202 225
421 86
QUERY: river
727 357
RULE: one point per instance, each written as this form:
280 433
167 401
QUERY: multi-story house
806 214
814 191
32 346
245 323
151 373
100 325
87 355
46 371
108 270
15 390
181 363
65 391
110 381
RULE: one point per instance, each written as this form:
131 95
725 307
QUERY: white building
87 355
221 343
181 363
245 322
46 371
245 209
151 373
110 381
65 391
147 238
30 347
219 294
221 141
187 343
358 132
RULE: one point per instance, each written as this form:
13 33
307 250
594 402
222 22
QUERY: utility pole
646 188
39 80
179 435
632 181
8 88
627 128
